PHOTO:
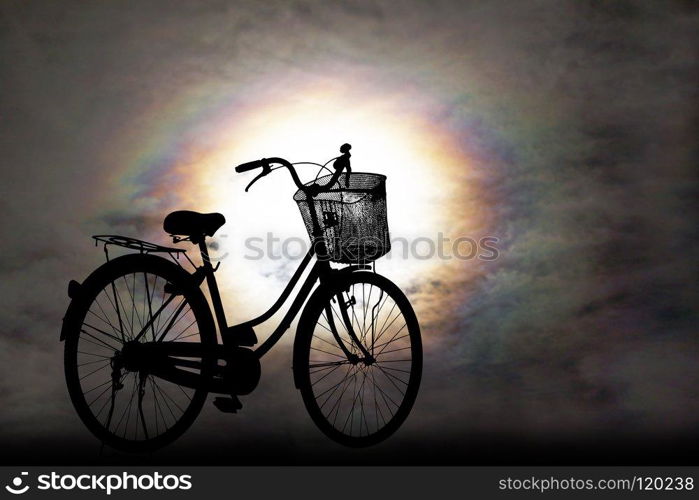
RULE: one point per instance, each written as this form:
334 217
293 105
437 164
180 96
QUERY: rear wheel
107 372
359 361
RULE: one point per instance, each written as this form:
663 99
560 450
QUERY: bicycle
141 345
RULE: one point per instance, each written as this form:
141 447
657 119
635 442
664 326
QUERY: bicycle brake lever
266 169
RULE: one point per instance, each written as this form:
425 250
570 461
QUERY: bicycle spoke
92 372
336 406
104 319
354 402
339 316
363 309
394 340
329 363
98 343
324 376
93 362
179 336
329 343
99 396
164 400
115 306
155 405
344 340
185 337
162 301
322 368
382 304
120 304
129 407
354 388
179 318
334 388
142 331
391 377
391 340
361 404
103 332
386 319
123 414
183 392
92 354
393 350
347 374
133 308
133 300
326 352
354 318
166 395
150 308
172 321
106 402
385 328
155 399
141 393
386 396
377 408
397 370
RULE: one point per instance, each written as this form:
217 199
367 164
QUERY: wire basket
351 217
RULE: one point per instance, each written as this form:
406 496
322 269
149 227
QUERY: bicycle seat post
213 286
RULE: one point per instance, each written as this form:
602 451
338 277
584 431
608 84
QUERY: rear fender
74 292
77 291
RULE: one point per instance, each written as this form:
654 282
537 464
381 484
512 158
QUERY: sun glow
416 157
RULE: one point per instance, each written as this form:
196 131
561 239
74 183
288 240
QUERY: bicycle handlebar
251 165
341 163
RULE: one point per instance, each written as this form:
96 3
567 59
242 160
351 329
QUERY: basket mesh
352 218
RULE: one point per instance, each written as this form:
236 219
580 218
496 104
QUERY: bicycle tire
99 282
309 373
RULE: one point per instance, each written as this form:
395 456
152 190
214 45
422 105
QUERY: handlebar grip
251 165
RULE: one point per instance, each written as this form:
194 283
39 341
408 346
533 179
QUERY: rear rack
134 244
143 247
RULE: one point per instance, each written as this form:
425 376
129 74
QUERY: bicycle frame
319 271
165 357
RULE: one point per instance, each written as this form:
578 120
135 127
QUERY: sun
310 126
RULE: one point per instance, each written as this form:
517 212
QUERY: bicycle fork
344 305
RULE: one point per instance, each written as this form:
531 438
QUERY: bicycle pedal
228 405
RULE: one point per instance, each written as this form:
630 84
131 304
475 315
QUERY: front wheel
358 363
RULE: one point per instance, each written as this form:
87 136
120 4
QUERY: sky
565 129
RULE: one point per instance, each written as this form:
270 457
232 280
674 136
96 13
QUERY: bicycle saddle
193 224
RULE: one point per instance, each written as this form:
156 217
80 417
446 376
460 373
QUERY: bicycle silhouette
141 345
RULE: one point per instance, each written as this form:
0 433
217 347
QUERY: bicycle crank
241 373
